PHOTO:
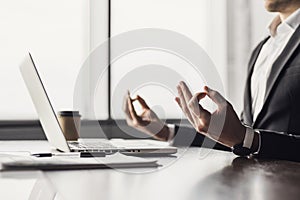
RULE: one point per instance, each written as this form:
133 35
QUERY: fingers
177 99
183 105
142 102
215 96
126 107
186 91
132 111
187 97
194 105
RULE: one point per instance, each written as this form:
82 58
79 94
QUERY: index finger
215 96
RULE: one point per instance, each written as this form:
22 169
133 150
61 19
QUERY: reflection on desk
219 175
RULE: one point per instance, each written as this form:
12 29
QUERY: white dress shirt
281 32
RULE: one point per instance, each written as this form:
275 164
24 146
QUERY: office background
61 34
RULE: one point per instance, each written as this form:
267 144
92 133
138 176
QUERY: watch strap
248 139
244 148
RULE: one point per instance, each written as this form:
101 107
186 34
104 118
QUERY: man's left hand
223 125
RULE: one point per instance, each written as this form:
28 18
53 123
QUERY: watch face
240 150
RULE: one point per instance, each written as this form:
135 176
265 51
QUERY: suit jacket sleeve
276 145
187 136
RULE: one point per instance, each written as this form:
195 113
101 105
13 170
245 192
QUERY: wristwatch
239 150
244 149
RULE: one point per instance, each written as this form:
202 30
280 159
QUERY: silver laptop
54 132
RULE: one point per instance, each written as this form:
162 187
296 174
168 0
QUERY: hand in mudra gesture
147 122
223 125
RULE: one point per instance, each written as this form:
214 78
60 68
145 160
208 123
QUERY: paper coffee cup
70 124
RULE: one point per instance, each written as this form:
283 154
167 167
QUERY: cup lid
69 113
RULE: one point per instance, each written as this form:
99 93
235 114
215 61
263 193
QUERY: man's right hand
147 122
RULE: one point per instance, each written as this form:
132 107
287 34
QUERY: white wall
260 21
247 26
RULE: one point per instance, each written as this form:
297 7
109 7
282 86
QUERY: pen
41 155
73 154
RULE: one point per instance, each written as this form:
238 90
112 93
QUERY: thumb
215 96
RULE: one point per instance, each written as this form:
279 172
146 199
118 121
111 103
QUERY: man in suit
270 123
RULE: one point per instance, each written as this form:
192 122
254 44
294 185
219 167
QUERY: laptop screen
43 105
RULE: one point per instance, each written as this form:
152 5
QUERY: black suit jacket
279 119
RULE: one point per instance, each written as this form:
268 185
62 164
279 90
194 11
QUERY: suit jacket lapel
279 65
247 96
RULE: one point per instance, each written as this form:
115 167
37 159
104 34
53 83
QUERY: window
61 34
202 21
57 33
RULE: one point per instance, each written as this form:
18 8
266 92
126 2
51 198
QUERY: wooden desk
218 175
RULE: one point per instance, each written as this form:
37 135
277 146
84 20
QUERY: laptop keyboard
91 146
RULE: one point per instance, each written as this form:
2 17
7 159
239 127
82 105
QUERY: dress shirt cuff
171 132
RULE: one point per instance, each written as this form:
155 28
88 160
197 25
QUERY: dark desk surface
194 174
